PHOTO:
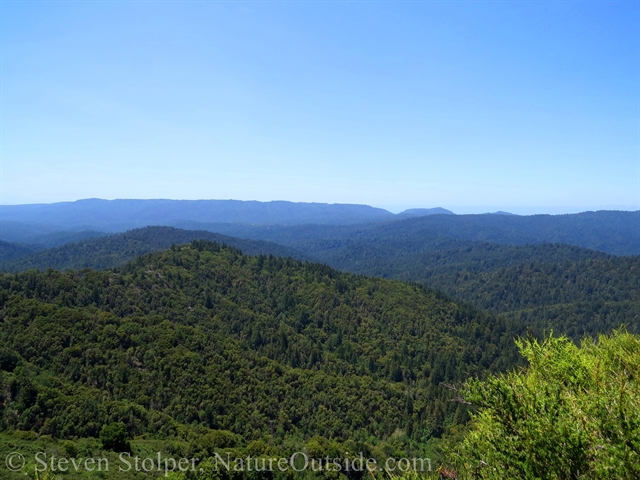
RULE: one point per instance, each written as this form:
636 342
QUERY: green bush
574 412
115 437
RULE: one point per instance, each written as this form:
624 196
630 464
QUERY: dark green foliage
573 290
47 448
264 347
606 280
428 258
115 437
570 289
217 440
8 359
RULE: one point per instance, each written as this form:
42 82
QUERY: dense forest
190 348
202 337
613 232
116 250
40 237
294 225
568 289
9 251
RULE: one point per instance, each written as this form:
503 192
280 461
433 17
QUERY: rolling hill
10 251
116 250
569 289
202 337
613 232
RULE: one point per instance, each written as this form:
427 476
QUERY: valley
288 338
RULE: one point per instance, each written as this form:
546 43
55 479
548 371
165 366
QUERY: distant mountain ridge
613 232
118 215
291 224
421 212
288 223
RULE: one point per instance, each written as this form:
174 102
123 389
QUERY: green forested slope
41 236
529 284
116 250
570 289
268 348
9 251
405 258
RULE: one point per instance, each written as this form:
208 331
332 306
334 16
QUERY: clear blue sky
524 106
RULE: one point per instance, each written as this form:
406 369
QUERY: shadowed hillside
613 232
116 250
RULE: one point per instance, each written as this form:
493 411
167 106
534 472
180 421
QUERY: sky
523 106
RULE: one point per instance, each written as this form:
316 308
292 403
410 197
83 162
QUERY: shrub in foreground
573 412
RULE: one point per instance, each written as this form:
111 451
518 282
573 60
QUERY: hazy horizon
499 105
395 209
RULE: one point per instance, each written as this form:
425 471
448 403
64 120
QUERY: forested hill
41 236
613 232
587 297
9 251
572 290
203 337
116 250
